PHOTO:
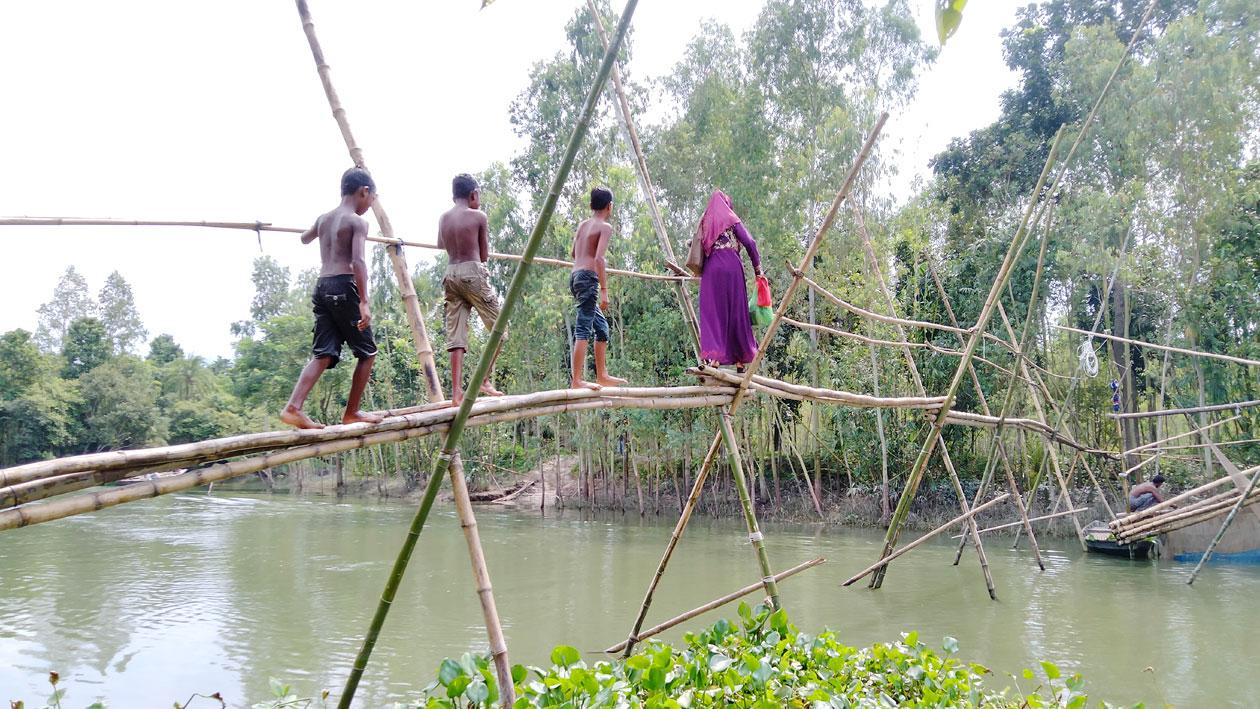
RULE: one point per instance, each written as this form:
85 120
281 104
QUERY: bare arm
311 234
601 264
440 241
483 237
358 264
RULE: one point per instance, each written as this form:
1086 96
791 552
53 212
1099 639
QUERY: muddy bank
935 504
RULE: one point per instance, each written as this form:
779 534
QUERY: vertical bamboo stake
645 183
448 458
1006 462
750 517
885 510
411 301
986 313
913 368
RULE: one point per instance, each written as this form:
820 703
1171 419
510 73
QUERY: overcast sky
174 110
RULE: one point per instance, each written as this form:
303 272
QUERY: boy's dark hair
600 197
354 178
1158 480
463 186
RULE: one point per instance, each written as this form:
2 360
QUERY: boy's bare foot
360 417
488 389
583 384
298 418
609 380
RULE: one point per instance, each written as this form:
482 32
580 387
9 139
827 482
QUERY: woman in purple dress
726 334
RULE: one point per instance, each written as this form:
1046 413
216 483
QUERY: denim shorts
584 285
336 306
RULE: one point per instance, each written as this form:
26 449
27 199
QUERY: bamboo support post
716 603
755 536
891 306
402 274
683 517
986 313
448 459
883 562
1011 484
1193 410
645 184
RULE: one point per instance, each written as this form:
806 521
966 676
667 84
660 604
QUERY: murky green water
147 603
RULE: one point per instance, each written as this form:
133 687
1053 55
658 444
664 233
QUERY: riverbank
558 485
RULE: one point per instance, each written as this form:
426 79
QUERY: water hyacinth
761 662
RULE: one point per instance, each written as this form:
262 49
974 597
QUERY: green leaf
448 671
458 685
638 663
948 18
950 644
478 692
719 662
565 655
519 673
1051 670
278 688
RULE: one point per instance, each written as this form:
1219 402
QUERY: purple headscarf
718 217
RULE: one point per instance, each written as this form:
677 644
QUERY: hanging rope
1088 357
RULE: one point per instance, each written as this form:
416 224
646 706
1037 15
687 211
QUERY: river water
145 604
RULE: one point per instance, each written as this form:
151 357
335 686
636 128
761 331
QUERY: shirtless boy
463 232
340 300
588 282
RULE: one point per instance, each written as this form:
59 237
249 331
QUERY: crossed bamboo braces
20 485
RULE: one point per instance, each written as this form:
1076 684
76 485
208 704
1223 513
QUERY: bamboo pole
755 536
1020 522
268 227
448 459
918 542
1011 483
684 516
645 185
1166 348
891 306
889 319
1193 410
716 603
1132 517
402 274
801 391
1192 432
71 505
986 313
1198 513
255 442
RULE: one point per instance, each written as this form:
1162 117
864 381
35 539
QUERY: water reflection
145 604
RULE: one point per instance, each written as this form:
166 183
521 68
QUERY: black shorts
336 306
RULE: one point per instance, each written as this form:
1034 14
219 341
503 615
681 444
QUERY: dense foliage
762 662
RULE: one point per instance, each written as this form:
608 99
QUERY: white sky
168 109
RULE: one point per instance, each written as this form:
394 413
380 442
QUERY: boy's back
586 244
336 230
463 232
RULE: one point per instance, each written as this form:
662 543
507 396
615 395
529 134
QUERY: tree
20 363
69 302
120 405
119 316
85 347
164 350
271 294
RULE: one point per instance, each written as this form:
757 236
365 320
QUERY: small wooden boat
1100 540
